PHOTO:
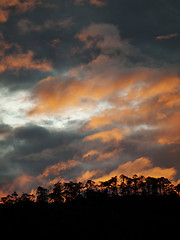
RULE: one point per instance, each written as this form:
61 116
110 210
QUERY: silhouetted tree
142 185
10 199
152 185
126 185
177 188
7 199
15 197
57 193
71 190
109 186
68 191
42 194
90 190
135 180
90 185
26 198
122 185
164 185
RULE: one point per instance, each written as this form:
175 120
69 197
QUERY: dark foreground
119 217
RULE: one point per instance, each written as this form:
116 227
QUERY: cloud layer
89 89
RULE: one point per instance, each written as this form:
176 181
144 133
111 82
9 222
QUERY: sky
89 89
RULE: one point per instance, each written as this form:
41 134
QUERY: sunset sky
89 89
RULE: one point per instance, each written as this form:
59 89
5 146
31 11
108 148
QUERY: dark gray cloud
31 149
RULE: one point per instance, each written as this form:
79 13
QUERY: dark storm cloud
33 147
26 152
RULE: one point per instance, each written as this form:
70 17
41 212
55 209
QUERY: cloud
15 62
142 167
106 136
7 6
167 36
87 176
98 3
42 156
105 76
169 134
37 152
135 97
4 46
102 155
55 93
91 153
26 26
56 169
105 37
4 14
79 110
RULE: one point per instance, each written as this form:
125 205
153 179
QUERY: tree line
114 187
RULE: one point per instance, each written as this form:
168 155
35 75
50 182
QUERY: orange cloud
18 5
108 155
57 168
98 3
23 182
140 98
106 136
87 175
111 116
4 14
160 86
53 93
170 131
100 156
141 166
91 153
167 36
149 102
19 61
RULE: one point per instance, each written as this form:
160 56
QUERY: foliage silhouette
114 187
118 207
42 195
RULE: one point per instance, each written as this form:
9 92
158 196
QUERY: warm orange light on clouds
94 155
53 93
23 61
106 136
167 36
4 14
170 134
91 153
57 168
20 6
81 98
86 176
140 99
142 167
98 3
